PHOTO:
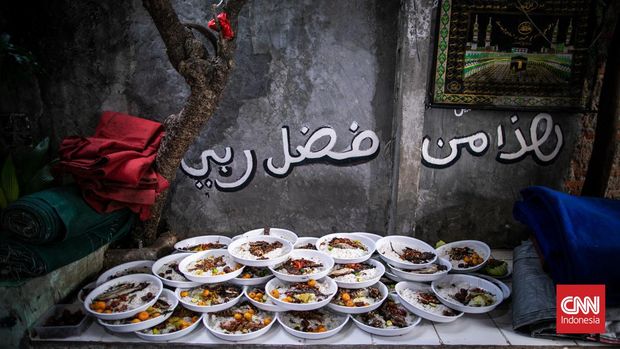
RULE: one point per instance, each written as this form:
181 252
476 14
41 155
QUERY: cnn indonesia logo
580 308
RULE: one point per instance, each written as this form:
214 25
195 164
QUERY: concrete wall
315 63
300 64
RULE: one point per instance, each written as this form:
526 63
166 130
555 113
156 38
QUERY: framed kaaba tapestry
511 54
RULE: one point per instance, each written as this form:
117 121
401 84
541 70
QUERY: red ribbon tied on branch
227 31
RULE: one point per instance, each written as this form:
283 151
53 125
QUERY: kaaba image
511 54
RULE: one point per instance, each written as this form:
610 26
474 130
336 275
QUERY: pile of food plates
239 288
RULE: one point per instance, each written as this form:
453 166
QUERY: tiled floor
494 329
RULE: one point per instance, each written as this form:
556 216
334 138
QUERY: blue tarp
579 237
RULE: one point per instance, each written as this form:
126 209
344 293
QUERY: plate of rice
467 293
275 232
346 247
252 276
129 268
182 322
239 323
153 315
209 298
465 255
123 297
406 252
167 270
420 299
203 243
360 300
303 265
313 324
435 271
357 275
258 297
210 267
371 236
260 251
300 296
390 319
306 243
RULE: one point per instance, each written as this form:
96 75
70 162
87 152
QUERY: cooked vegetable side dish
180 319
209 295
302 292
254 272
362 297
465 257
495 267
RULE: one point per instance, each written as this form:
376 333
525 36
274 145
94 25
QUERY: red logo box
580 308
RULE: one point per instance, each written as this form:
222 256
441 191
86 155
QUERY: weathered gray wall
299 64
473 198
315 63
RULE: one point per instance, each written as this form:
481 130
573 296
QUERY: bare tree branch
206 76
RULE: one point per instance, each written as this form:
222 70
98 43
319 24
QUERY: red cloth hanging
114 167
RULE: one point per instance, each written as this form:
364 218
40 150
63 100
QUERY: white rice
145 269
449 290
243 251
329 320
345 253
387 251
411 296
137 300
364 275
174 276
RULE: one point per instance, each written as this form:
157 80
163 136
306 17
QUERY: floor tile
474 329
502 317
423 334
591 344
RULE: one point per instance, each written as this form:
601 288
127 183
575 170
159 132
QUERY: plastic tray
44 332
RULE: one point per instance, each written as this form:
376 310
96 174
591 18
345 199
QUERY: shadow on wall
491 223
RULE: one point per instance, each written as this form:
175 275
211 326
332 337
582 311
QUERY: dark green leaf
8 178
3 202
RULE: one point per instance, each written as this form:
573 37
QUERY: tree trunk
206 76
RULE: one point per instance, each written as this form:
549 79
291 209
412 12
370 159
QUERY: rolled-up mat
533 294
19 260
54 215
533 301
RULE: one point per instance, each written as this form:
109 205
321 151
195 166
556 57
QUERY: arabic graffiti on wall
318 148
477 144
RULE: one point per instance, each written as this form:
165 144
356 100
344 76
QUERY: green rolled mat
19 260
53 215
